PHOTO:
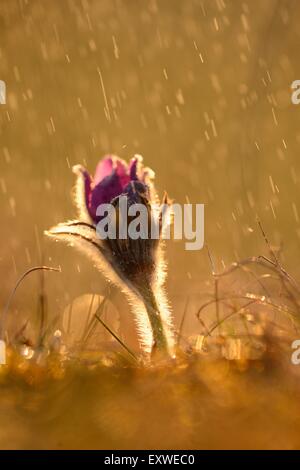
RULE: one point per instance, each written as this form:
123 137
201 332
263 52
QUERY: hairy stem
160 342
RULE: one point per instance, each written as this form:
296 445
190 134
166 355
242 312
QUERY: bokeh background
200 88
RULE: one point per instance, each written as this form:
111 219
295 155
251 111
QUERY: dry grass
232 384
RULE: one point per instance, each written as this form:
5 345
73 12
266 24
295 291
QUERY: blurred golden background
200 88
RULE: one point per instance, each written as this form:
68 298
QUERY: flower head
134 264
113 177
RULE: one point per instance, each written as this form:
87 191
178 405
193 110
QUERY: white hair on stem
159 290
85 239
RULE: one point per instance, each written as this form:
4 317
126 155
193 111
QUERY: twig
260 299
229 316
93 322
87 323
272 252
216 284
179 334
10 298
116 337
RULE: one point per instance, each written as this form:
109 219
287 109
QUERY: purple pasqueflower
135 265
113 177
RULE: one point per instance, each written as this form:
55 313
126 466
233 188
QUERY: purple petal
103 169
135 168
109 188
87 186
109 165
83 186
121 169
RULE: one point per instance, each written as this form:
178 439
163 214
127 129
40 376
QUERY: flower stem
160 343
